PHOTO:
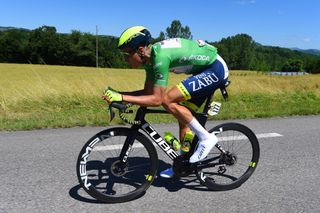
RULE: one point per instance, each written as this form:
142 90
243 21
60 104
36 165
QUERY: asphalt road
38 174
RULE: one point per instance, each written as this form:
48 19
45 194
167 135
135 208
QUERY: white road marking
242 137
269 135
229 138
114 147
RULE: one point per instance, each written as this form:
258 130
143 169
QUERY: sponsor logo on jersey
157 65
194 58
159 75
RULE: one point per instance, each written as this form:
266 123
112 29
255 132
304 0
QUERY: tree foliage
238 51
293 65
241 52
45 46
176 30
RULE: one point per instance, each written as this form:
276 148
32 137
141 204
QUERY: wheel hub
229 159
118 168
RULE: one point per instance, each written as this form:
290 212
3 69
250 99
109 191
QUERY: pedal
182 167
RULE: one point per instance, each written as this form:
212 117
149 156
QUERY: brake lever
112 114
120 106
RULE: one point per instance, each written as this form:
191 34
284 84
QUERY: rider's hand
110 88
111 95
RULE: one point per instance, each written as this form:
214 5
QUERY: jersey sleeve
159 69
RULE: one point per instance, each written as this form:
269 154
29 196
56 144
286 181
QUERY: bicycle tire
232 137
98 159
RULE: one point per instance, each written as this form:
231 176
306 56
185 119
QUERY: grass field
39 96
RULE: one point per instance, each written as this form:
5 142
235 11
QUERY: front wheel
228 169
105 177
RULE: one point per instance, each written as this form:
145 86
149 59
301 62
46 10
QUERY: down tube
149 130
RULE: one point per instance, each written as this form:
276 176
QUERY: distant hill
11 28
308 51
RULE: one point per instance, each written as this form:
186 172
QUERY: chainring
182 167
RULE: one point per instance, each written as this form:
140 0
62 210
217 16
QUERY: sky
284 23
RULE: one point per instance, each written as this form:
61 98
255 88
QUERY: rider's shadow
191 182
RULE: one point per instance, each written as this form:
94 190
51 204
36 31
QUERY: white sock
206 141
196 127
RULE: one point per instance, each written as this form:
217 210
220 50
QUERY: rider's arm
151 96
145 91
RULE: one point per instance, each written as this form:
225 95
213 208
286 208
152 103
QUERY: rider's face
132 58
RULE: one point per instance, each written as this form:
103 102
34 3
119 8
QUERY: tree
293 65
160 38
43 44
109 54
237 51
312 65
176 30
13 45
85 50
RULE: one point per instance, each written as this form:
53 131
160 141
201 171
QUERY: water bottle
172 141
186 142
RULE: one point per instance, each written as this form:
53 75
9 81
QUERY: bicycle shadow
74 192
191 182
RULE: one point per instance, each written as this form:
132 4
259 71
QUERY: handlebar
122 107
118 105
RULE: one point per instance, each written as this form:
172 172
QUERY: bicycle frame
202 117
150 131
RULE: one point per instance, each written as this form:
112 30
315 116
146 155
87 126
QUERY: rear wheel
231 168
103 176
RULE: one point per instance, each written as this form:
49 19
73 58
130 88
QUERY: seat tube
202 118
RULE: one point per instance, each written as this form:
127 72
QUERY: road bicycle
119 164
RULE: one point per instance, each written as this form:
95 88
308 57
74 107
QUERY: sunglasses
129 53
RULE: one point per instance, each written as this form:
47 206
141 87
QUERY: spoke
239 145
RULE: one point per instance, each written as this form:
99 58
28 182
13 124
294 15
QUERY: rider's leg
185 117
187 122
183 128
194 87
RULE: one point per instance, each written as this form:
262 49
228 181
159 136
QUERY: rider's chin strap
141 55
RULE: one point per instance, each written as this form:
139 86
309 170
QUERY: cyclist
208 71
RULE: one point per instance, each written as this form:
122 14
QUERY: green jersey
179 56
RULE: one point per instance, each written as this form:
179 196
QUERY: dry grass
36 96
255 82
33 82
